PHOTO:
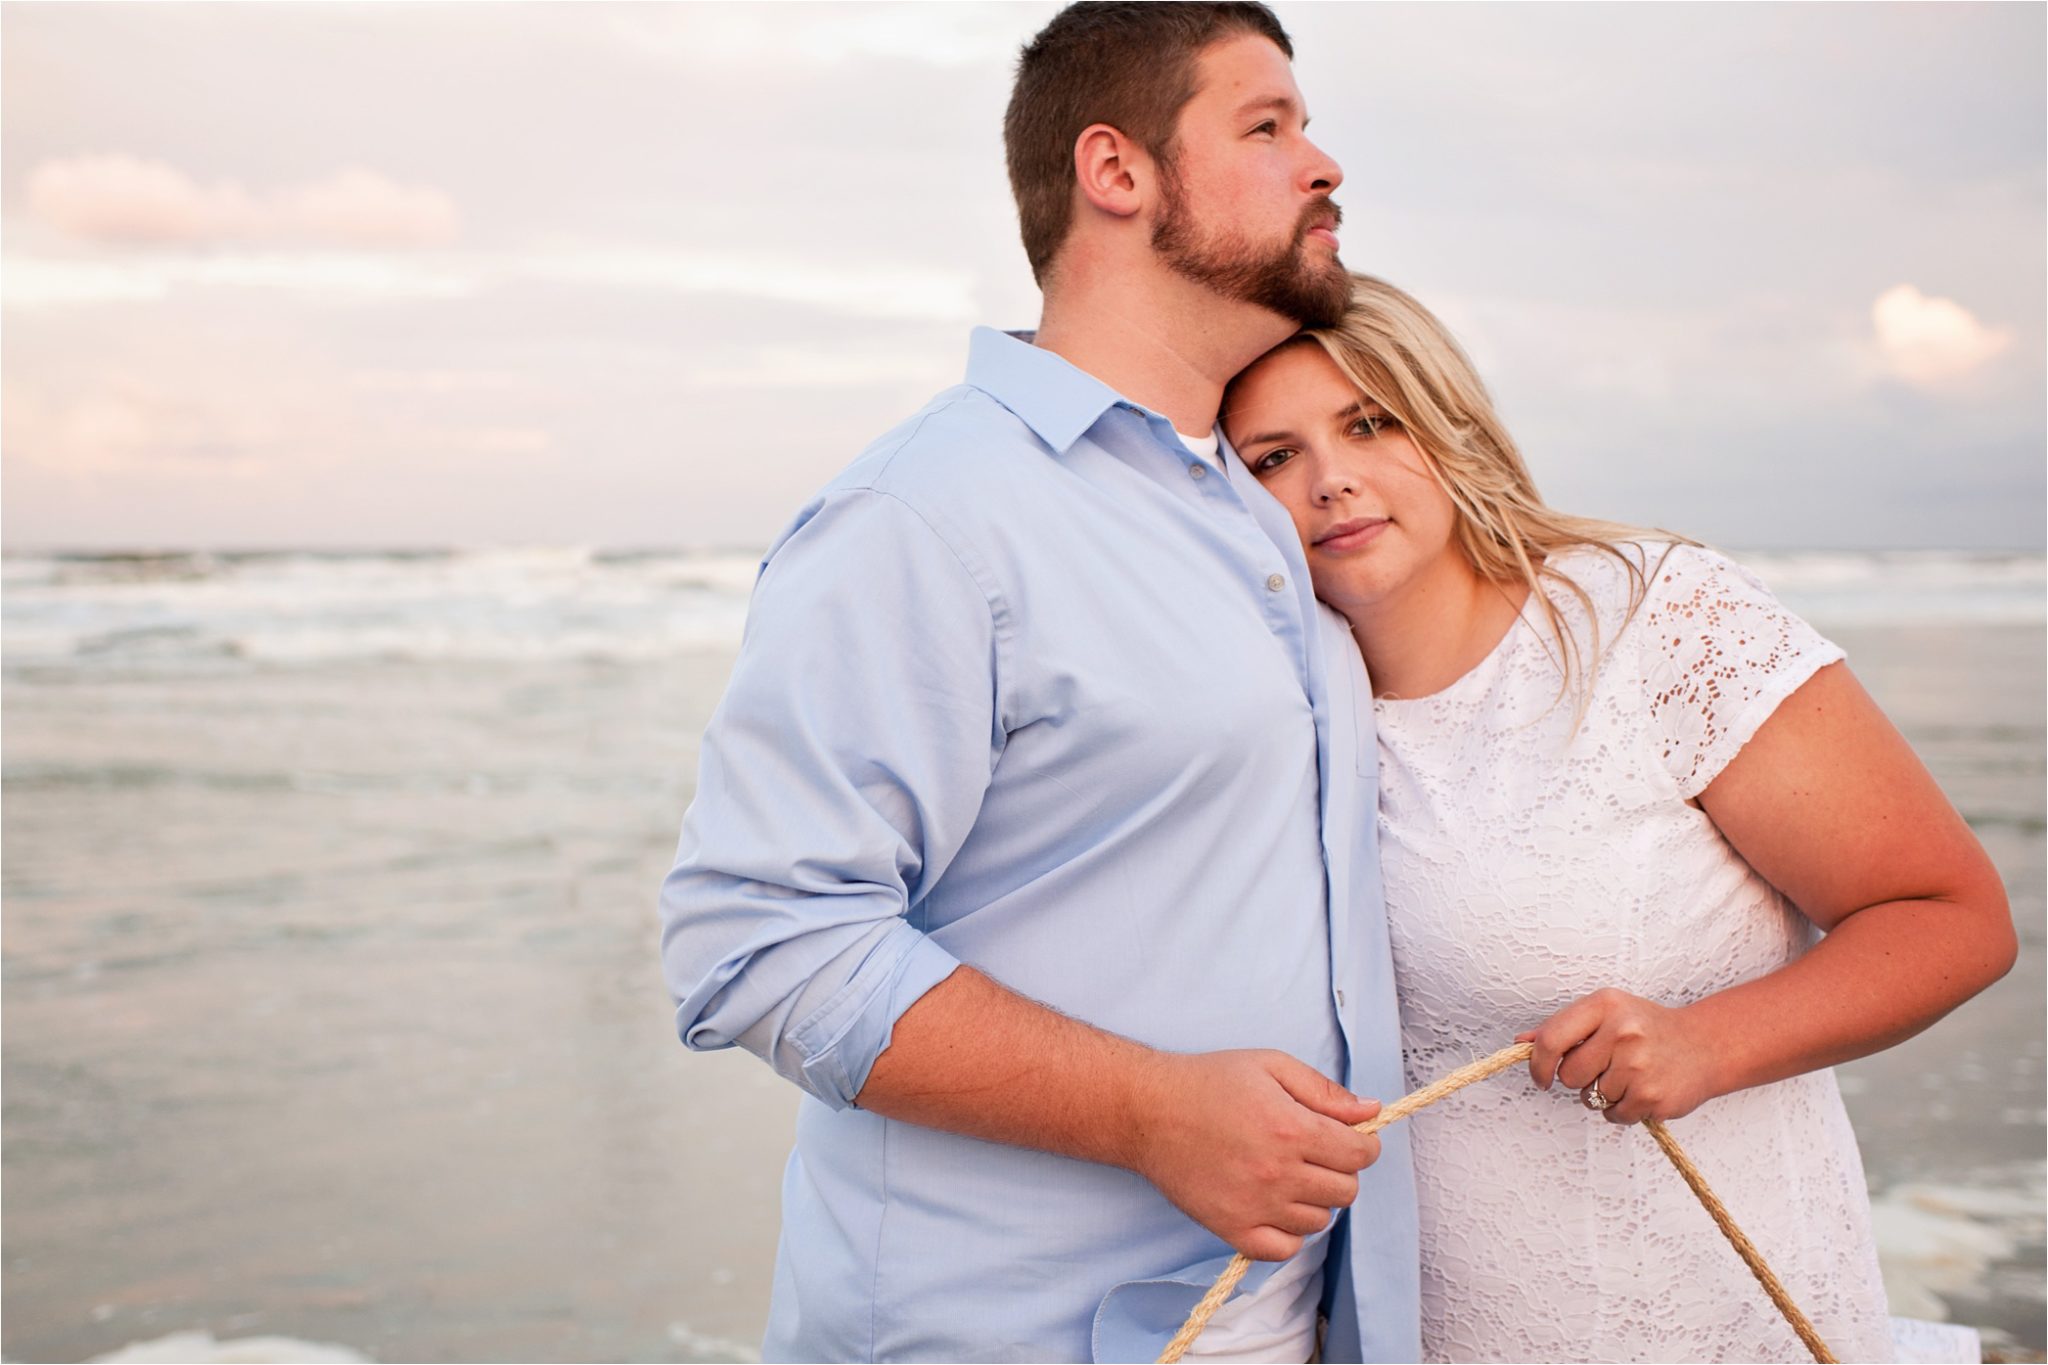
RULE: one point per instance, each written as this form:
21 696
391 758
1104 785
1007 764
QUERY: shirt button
1275 583
1198 471
1340 999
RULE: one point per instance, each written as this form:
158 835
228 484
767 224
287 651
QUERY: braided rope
1227 1282
1740 1241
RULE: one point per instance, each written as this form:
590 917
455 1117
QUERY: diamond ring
1593 1099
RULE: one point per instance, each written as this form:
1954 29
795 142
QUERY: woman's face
1371 515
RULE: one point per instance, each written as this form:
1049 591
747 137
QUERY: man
1033 835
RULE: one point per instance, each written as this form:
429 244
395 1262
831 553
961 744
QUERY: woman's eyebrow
1263 437
1356 408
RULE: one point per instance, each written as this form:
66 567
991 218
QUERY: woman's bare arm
1830 805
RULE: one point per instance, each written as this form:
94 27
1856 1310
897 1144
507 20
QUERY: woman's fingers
1648 1058
1584 1064
1633 1100
1624 1110
1559 1034
1613 1087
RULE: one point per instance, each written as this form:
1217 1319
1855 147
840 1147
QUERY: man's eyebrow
1280 103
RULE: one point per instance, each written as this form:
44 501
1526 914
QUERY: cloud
489 440
132 422
29 282
125 200
283 422
1929 342
828 35
878 288
361 208
436 382
36 281
805 367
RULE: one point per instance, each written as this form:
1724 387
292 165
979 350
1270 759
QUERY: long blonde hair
1397 354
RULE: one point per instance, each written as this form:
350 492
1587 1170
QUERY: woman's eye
1372 424
1271 461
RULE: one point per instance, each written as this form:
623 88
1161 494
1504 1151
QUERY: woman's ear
1113 172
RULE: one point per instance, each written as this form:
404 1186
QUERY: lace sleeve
1719 654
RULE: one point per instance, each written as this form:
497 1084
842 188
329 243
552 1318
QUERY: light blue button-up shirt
1031 687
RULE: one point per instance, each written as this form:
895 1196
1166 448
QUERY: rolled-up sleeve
838 778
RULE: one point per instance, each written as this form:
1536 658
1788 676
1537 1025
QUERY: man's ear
1112 171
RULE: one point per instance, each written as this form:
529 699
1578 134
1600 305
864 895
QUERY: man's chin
1325 303
1305 288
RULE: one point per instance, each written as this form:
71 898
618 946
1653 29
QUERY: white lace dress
1527 866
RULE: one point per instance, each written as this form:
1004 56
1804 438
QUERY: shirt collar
1052 397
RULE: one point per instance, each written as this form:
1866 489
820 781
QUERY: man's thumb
1312 1089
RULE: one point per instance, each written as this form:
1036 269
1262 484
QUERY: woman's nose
1334 485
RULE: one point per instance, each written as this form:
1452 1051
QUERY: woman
1621 788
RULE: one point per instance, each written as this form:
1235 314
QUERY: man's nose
1324 174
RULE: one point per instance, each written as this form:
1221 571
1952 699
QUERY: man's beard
1284 280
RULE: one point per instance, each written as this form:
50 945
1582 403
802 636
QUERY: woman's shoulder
1713 652
1625 580
1602 586
1703 595
1641 610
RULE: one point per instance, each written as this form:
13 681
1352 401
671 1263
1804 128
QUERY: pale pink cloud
125 199
362 208
128 200
1929 341
241 417
130 424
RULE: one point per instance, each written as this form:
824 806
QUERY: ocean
331 1002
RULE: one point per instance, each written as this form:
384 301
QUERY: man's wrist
1145 1105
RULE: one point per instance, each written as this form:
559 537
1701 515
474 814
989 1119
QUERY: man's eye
1271 461
1267 127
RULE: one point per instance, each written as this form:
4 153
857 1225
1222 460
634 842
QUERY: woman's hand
1652 1062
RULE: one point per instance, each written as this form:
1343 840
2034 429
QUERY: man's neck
1164 343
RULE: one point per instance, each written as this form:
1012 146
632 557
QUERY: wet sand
332 1011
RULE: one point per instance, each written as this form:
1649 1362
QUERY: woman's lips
1349 535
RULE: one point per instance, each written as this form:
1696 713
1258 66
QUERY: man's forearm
1251 1143
975 1058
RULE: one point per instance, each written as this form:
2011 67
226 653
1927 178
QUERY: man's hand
1254 1145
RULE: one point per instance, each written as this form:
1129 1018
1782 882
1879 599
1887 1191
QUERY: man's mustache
1324 212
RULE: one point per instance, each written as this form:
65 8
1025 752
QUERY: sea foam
196 611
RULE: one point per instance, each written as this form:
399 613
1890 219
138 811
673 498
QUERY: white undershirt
1276 1322
1204 446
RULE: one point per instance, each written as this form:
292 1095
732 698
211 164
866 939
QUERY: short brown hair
1127 63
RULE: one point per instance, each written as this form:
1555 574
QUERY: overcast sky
354 274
